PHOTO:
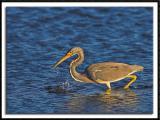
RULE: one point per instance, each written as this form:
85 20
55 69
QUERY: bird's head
69 54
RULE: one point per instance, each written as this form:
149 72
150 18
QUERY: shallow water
38 37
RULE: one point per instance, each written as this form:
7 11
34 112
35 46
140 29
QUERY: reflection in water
125 98
119 101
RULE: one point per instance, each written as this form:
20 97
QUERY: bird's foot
108 91
126 87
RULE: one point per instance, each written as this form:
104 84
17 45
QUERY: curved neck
79 60
75 75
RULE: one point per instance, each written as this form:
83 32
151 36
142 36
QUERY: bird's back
111 71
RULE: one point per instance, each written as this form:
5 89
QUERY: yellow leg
108 91
133 79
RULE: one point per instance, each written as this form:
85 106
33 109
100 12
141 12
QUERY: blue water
38 37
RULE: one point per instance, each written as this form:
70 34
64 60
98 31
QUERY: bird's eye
69 53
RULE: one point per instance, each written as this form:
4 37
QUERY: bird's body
111 71
104 73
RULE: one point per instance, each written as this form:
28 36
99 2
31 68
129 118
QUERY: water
38 37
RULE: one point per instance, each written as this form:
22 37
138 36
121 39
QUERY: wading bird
104 72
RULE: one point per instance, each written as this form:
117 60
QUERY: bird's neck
75 75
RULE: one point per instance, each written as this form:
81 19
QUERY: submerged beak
68 55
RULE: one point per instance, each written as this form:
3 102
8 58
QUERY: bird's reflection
120 97
117 102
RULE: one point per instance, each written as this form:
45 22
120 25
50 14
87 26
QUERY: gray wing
109 71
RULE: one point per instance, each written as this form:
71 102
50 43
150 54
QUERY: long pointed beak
62 60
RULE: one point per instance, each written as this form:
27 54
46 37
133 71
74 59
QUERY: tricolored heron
104 72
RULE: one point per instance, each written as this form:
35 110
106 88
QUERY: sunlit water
38 37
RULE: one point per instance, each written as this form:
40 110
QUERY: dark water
38 37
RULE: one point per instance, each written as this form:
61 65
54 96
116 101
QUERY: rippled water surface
38 37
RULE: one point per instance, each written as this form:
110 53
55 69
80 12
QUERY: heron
102 72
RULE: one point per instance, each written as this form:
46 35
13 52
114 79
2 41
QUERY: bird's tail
137 68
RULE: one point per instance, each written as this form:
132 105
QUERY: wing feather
109 71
